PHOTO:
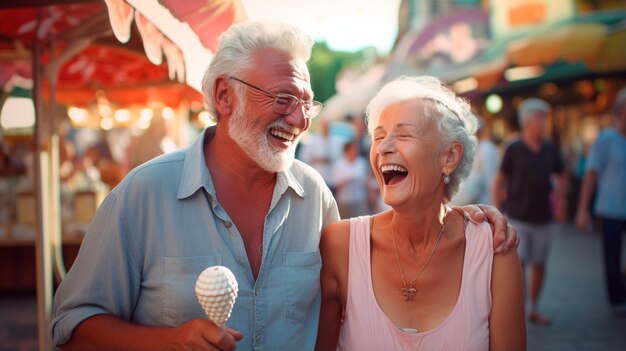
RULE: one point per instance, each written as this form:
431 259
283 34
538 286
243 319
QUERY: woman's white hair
453 116
241 41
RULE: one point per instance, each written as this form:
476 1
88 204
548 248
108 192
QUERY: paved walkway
574 297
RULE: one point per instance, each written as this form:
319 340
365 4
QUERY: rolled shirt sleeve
107 285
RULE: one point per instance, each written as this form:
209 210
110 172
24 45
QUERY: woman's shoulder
335 235
336 227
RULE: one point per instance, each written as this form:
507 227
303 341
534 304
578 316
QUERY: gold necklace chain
409 291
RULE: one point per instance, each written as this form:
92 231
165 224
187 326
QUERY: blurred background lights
493 103
549 89
143 123
105 110
122 115
77 115
196 106
168 113
146 113
521 73
107 123
17 112
465 85
205 119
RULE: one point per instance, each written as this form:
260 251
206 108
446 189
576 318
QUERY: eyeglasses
285 104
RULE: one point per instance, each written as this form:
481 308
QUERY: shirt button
228 224
258 292
258 339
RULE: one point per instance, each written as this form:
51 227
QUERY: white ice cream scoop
217 289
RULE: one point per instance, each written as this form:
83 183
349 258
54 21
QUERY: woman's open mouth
393 174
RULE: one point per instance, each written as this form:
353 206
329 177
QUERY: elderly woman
419 276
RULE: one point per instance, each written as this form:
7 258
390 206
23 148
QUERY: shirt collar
196 174
286 179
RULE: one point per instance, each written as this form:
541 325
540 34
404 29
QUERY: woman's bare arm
507 324
334 245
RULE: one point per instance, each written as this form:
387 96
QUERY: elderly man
523 185
237 198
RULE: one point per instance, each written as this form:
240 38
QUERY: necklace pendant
409 293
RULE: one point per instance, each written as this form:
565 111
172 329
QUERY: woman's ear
223 95
451 157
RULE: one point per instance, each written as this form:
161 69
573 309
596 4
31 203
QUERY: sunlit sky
347 25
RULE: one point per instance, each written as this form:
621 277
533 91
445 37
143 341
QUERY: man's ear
452 156
223 95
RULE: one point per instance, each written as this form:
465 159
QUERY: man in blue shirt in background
606 167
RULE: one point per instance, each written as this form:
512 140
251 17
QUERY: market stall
98 58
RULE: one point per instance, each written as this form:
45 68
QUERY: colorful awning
153 60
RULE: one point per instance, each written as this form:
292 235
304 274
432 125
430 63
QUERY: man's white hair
241 41
528 105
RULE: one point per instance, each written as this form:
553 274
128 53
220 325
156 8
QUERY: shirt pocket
178 289
303 283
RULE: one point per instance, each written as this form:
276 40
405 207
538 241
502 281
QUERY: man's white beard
251 136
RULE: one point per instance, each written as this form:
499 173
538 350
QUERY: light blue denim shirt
608 158
163 225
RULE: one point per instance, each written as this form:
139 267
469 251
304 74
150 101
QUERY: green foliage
325 65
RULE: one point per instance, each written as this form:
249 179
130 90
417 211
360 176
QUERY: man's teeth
389 168
282 134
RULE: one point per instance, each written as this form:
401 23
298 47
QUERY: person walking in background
523 187
320 153
350 174
478 185
606 170
357 120
152 142
419 276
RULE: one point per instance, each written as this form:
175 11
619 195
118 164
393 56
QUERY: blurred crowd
91 161
529 176
339 151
